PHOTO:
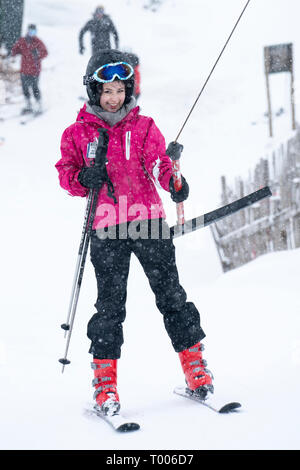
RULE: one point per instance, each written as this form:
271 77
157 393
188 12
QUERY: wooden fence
270 225
10 84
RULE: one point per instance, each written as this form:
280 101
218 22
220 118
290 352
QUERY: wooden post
267 61
279 58
224 190
292 95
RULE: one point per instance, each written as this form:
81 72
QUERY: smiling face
112 96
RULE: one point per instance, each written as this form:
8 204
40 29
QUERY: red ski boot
198 378
105 382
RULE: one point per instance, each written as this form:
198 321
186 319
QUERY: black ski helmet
107 56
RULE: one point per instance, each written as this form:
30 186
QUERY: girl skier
129 219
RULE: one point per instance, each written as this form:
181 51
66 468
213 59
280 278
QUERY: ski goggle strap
31 32
108 72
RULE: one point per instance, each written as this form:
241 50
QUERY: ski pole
177 186
90 212
66 326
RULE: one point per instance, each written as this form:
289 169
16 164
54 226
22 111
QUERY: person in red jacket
32 51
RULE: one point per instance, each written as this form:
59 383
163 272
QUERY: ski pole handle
174 151
176 175
178 186
101 151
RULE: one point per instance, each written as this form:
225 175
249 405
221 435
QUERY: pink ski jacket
137 162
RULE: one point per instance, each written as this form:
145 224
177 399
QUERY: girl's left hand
182 194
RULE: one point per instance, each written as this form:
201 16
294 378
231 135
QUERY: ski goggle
108 72
31 32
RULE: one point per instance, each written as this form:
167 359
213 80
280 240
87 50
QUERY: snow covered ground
251 315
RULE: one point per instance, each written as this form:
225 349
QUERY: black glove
93 177
182 194
174 150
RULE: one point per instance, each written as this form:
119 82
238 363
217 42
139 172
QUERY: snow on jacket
137 162
32 50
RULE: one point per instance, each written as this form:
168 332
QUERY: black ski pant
30 82
111 260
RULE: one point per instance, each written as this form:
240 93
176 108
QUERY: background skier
137 160
101 28
32 51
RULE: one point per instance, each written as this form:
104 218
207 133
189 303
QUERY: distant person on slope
33 51
130 219
101 27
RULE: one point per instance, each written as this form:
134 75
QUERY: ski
218 214
31 117
209 403
119 422
10 117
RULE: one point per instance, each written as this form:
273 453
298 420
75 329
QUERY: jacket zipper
127 144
